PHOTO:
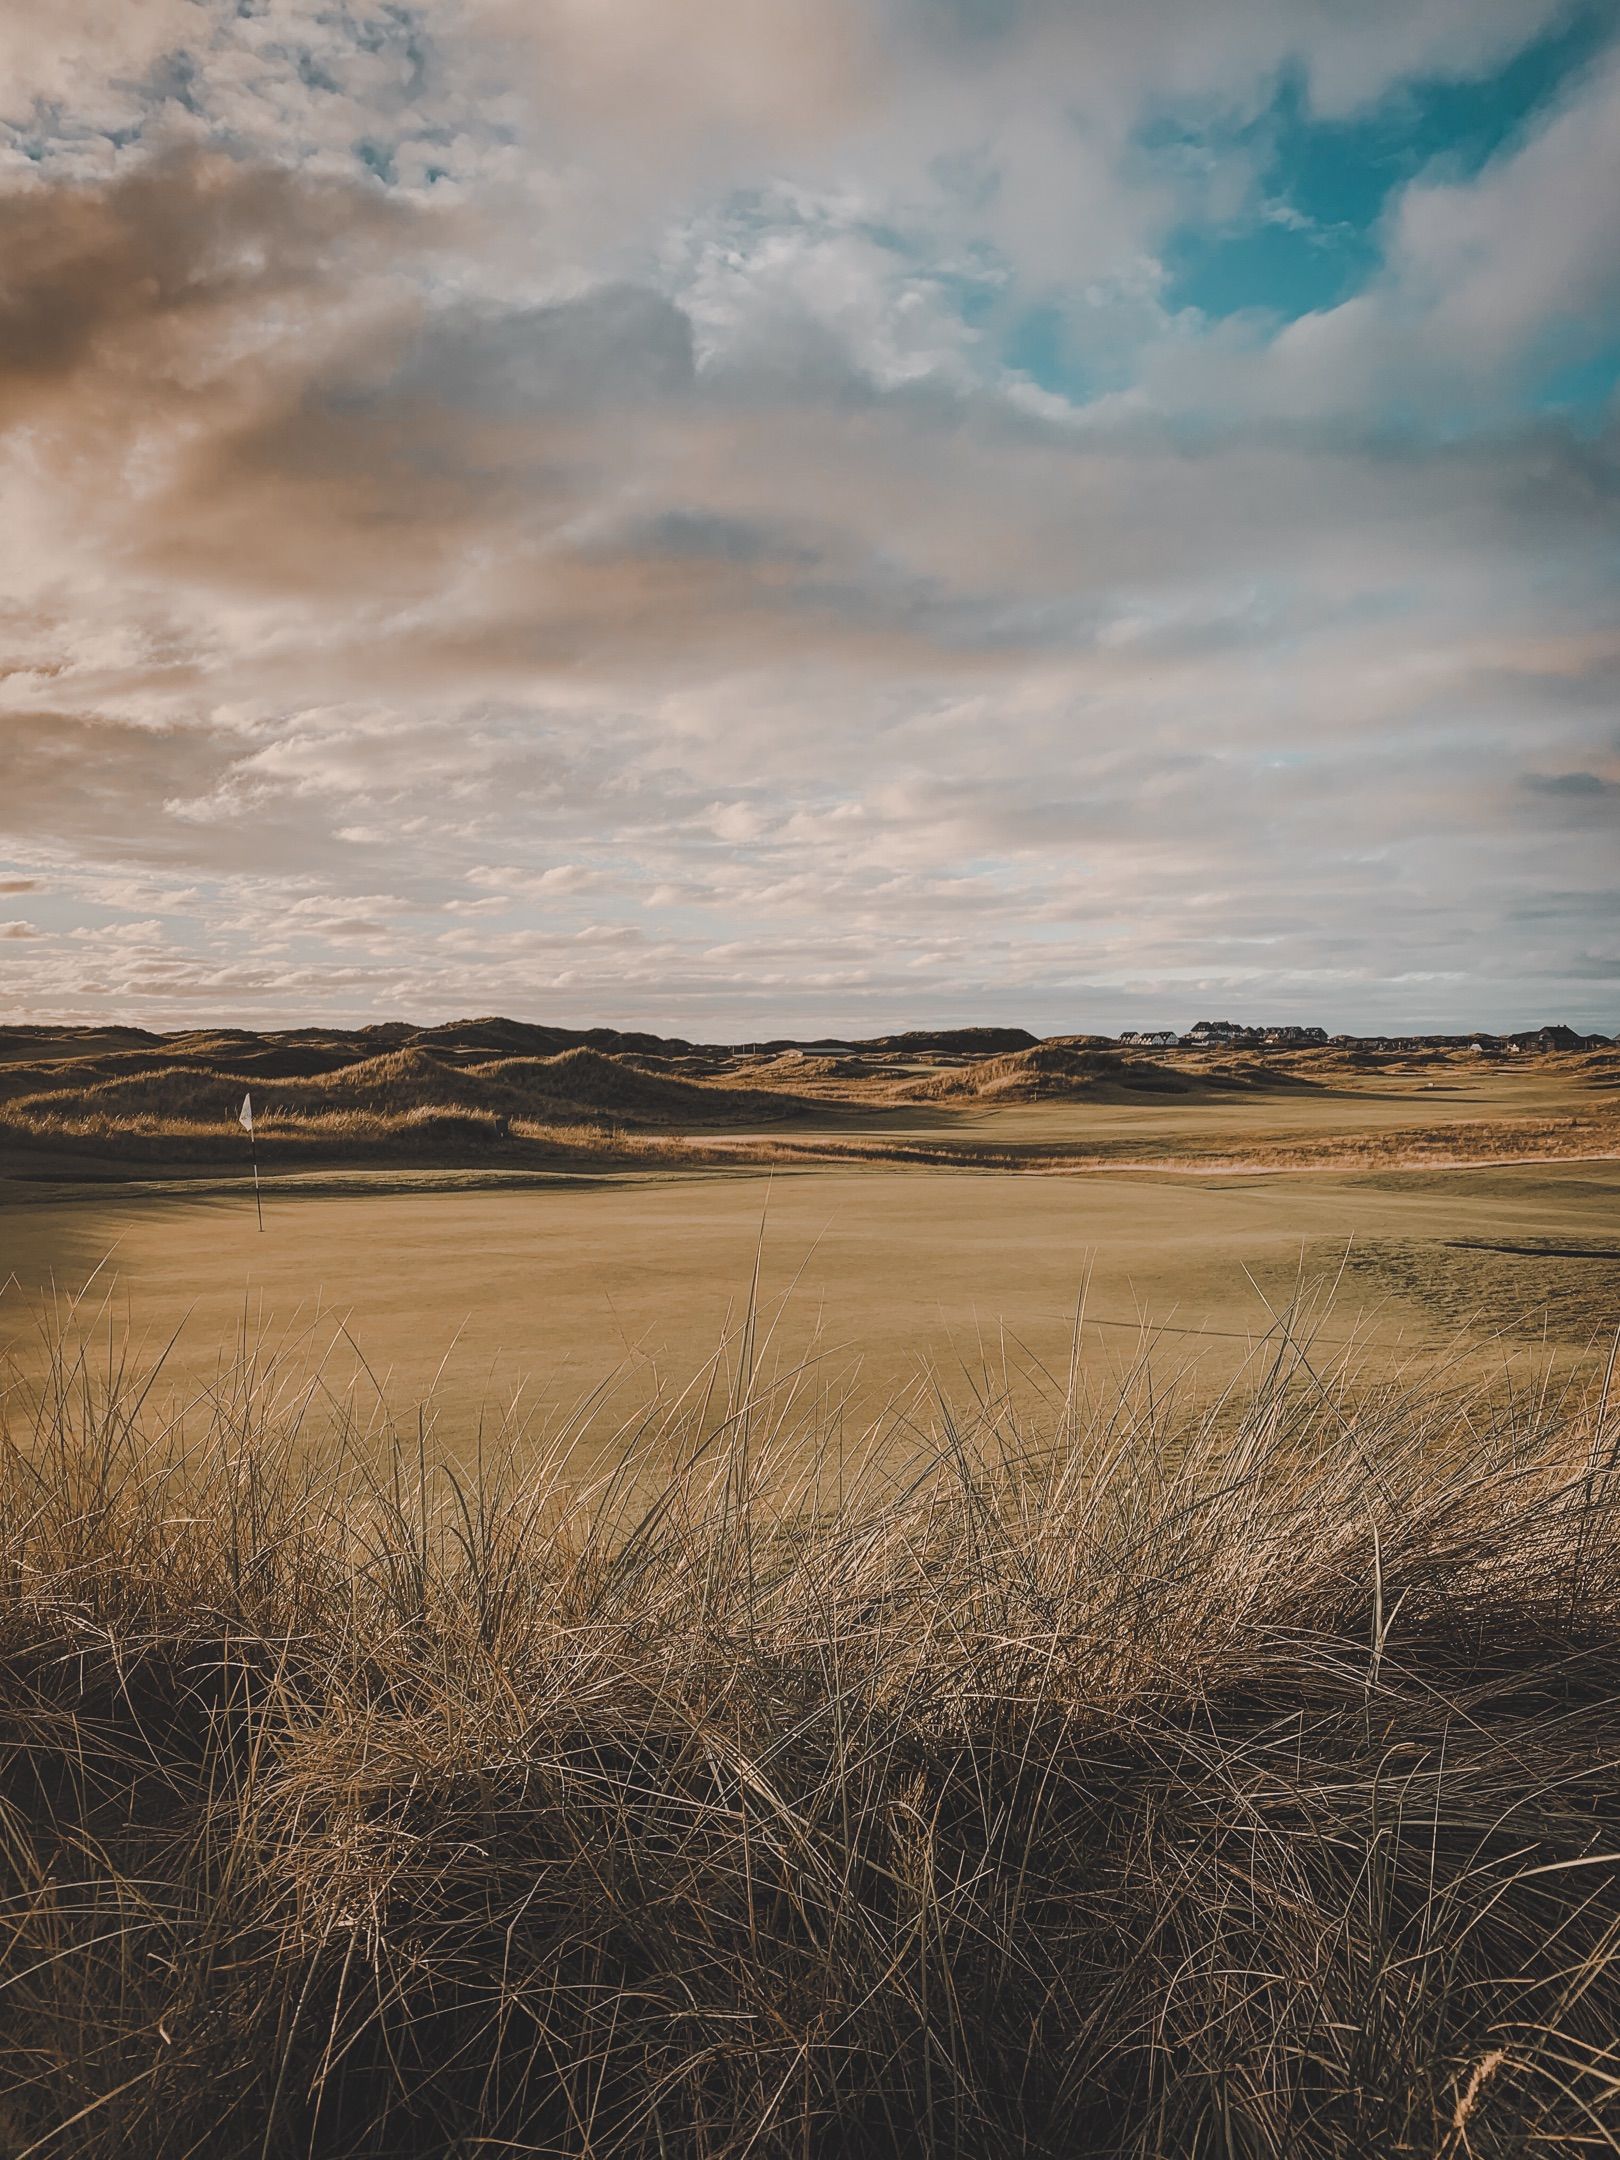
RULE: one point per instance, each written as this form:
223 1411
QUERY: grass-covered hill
522 1095
1061 1072
443 1091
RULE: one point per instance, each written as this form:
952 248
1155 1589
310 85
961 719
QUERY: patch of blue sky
379 160
314 75
1274 267
1308 235
1040 345
1083 346
1584 389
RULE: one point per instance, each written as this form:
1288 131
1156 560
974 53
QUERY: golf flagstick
244 1118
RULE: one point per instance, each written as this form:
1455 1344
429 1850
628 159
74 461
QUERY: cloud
74 54
655 586
1488 285
142 276
680 76
1575 786
1525 249
91 782
559 882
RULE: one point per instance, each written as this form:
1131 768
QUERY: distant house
1295 1038
1150 1038
1217 1034
1553 1038
1424 1045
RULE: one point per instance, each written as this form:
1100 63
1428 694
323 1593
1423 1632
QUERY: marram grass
1152 1783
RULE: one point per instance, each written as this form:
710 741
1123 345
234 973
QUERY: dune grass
403 1103
585 1108
293 1138
1140 1782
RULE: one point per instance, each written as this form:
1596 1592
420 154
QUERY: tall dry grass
1157 1782
292 1139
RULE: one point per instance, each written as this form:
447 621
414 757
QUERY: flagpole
244 1118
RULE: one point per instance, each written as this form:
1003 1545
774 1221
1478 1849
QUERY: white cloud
559 882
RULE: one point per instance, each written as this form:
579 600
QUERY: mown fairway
563 1285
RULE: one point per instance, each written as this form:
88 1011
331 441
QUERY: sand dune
1059 1072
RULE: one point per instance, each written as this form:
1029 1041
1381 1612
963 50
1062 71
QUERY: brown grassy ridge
402 1102
422 1138
1133 1782
447 1102
502 1092
1064 1072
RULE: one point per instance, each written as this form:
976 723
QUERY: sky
810 516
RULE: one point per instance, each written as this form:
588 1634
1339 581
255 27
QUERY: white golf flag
244 1116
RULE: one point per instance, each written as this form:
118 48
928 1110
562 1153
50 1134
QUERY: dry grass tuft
1151 1784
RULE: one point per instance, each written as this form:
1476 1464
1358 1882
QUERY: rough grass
578 1105
459 1095
1061 1072
404 1101
290 1139
1146 1784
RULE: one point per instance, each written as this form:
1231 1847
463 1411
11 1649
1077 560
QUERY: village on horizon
1234 1035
